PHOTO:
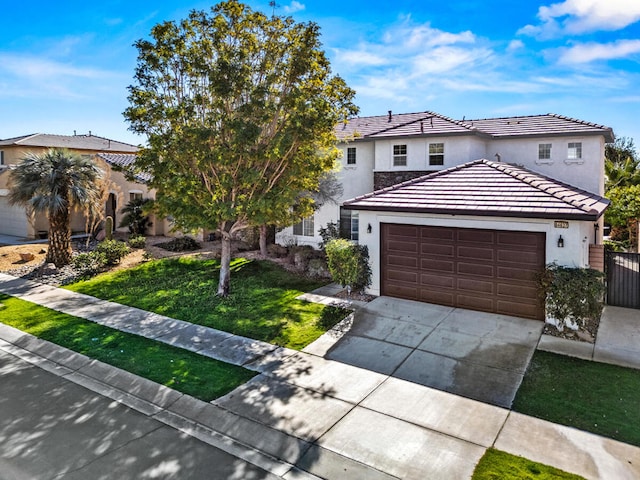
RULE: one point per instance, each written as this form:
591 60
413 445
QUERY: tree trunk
225 266
263 241
59 252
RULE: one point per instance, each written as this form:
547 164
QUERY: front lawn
261 306
187 372
596 397
499 465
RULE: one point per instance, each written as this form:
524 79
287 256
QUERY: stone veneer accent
387 179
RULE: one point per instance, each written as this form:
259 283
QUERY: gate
623 279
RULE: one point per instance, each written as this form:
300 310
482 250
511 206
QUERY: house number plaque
561 224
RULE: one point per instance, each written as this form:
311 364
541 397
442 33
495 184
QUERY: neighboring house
111 156
485 204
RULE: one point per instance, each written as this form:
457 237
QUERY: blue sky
65 66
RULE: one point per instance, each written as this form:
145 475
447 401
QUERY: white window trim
394 156
545 161
574 161
429 154
355 157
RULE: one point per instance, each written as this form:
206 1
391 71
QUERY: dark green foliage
572 293
328 233
89 263
136 217
596 397
113 251
185 371
180 244
137 241
349 263
499 465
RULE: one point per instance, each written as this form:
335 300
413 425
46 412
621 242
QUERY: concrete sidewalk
617 341
306 415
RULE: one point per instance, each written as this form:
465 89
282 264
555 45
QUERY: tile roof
75 142
431 123
549 124
400 125
124 162
483 187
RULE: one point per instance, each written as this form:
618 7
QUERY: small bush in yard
349 263
137 241
180 244
89 263
113 250
571 294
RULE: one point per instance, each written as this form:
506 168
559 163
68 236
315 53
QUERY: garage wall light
560 242
369 228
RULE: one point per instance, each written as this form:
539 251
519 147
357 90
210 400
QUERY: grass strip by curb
262 304
499 465
187 372
596 397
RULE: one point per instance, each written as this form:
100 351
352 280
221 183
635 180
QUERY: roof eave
586 216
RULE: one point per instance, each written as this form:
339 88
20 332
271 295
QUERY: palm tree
54 183
135 216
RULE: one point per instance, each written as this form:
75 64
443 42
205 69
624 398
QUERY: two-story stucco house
465 213
110 155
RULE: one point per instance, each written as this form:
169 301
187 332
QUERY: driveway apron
478 355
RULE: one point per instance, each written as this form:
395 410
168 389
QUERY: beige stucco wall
119 186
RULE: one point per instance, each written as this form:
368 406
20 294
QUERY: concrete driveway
478 355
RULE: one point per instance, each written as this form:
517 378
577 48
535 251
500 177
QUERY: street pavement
52 428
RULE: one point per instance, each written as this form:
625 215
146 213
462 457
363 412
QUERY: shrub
571 293
349 263
137 241
113 250
328 233
89 263
135 216
180 244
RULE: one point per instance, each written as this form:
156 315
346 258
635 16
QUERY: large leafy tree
55 183
622 170
239 110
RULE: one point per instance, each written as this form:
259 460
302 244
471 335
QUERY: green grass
187 372
261 306
596 397
498 465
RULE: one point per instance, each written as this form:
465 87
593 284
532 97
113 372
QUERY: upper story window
574 151
305 227
399 155
351 156
436 154
544 151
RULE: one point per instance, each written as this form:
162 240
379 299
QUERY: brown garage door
488 270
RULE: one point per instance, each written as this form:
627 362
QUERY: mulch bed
586 333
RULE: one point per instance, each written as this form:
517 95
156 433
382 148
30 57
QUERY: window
349 224
1 157
135 196
574 151
305 227
436 154
351 156
399 155
544 151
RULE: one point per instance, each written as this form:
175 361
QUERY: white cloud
515 45
293 7
359 57
582 16
590 52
